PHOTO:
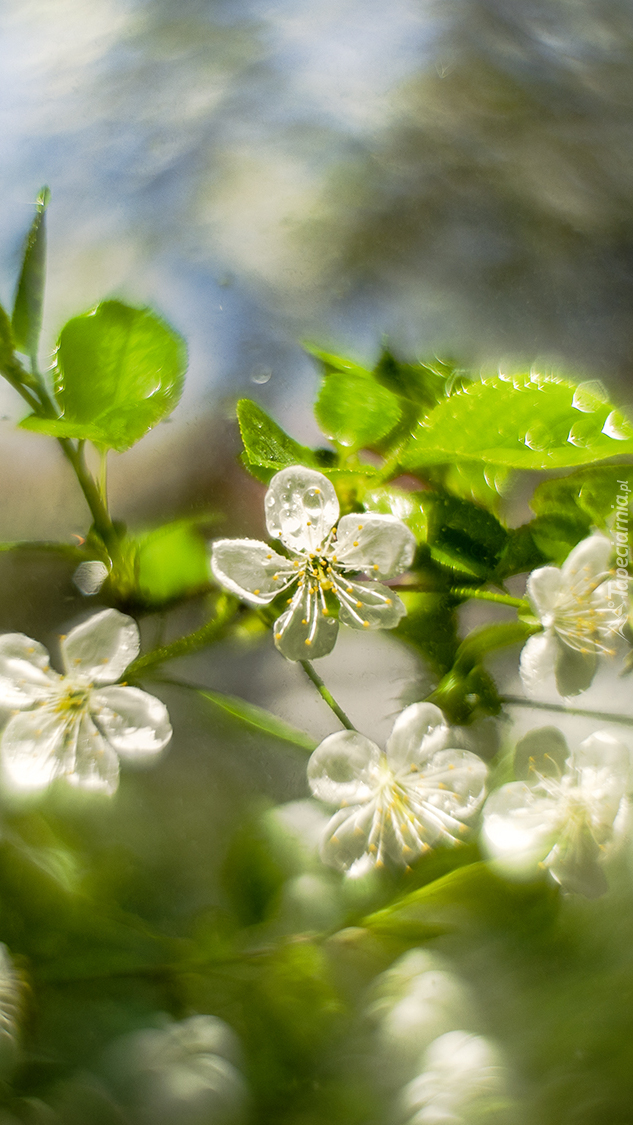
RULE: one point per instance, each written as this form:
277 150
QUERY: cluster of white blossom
433 1069
393 806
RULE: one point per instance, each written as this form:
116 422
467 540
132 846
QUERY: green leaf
424 384
489 638
26 320
590 494
259 719
354 410
7 342
462 537
431 627
528 422
520 554
120 370
173 560
470 893
333 362
266 445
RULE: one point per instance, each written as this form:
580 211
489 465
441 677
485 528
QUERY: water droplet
261 375
583 432
590 396
539 437
617 426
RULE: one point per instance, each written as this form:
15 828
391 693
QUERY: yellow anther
334 558
256 591
277 636
358 605
441 785
308 642
325 612
269 556
318 491
349 589
355 543
308 523
275 578
366 624
288 601
304 621
360 527
388 601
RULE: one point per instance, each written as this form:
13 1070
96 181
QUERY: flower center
72 698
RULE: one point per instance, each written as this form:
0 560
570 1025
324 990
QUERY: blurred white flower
580 615
398 804
463 1080
73 726
566 813
302 510
90 576
416 1000
186 1073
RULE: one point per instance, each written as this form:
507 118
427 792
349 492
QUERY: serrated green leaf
266 445
354 410
26 321
120 370
529 422
259 719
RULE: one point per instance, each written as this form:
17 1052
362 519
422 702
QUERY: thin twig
326 694
603 716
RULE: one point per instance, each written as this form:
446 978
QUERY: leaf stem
604 716
488 596
95 501
326 694
225 610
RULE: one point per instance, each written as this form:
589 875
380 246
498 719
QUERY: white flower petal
305 631
251 569
345 841
588 560
538 661
452 781
574 670
301 508
34 745
419 731
101 647
543 588
94 765
368 605
134 723
342 769
519 828
25 672
380 545
574 861
543 751
602 766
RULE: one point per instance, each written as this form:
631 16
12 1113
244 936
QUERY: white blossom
567 812
463 1080
77 725
395 805
185 1073
302 511
577 608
